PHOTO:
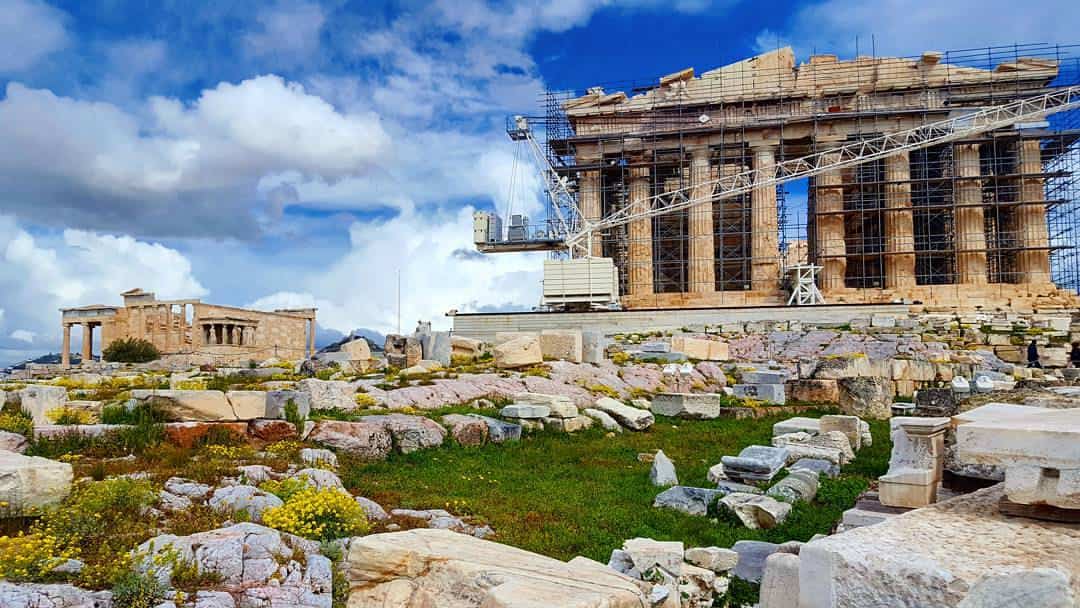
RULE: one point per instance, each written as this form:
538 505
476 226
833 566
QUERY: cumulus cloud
908 27
39 274
177 168
30 30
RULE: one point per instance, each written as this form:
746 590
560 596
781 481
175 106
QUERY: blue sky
306 152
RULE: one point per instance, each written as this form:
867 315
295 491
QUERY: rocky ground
662 473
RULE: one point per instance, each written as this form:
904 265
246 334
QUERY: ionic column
65 353
1032 266
764 248
589 199
970 230
829 224
702 251
640 262
311 346
87 341
899 225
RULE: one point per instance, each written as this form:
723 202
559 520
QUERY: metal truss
854 153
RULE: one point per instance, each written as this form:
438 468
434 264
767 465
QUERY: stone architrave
561 344
519 352
915 465
700 349
686 405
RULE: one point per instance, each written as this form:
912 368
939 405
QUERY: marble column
311 334
589 200
702 252
764 245
640 263
968 217
87 341
1033 266
829 233
65 353
168 327
899 224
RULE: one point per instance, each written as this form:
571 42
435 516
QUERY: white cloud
176 168
908 27
23 335
41 274
289 31
30 30
431 251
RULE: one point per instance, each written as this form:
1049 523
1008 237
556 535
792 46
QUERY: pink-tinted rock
271 430
646 378
365 439
467 430
711 372
410 433
546 386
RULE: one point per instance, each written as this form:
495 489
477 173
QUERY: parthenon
218 334
973 223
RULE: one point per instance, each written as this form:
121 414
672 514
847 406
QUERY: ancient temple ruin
988 221
204 332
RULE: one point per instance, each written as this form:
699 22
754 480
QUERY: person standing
1033 355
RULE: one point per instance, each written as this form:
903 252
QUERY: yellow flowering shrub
285 449
229 452
319 515
191 385
68 415
620 358
16 423
365 400
31 556
285 489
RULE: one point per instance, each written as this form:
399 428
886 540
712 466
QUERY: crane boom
925 136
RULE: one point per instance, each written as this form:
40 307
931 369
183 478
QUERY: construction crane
572 233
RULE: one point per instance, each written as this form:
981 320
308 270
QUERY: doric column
764 247
1033 266
970 230
87 341
899 225
829 228
640 262
65 353
589 199
702 251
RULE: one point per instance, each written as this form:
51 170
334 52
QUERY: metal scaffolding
984 209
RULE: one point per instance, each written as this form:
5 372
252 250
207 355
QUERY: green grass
584 494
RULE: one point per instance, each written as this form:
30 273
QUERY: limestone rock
561 344
1043 587
189 406
867 397
328 394
818 466
247 405
716 559
466 347
32 595
646 554
320 479
518 352
755 463
800 484
466 430
427 567
630 417
559 406
848 425
780 582
813 390
188 488
410 433
318 456
663 471
30 483
368 440
358 349
39 399
686 405
247 499
372 509
606 421
692 501
798 424
13 442
567 425
277 400
756 511
499 431
525 411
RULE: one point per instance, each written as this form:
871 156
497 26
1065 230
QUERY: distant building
207 332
